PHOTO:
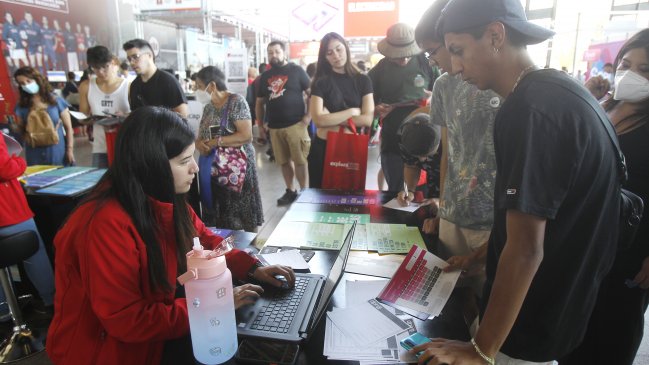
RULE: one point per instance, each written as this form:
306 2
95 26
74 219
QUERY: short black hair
418 137
310 69
99 56
71 75
124 65
139 44
426 29
281 44
212 74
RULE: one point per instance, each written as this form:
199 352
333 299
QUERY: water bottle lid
206 266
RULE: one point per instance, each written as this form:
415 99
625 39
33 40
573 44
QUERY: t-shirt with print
431 166
397 84
468 114
555 161
342 91
283 89
162 89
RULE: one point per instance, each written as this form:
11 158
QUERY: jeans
392 166
38 267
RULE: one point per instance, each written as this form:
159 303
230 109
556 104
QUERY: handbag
631 205
345 164
229 164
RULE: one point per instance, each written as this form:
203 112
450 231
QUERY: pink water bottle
210 303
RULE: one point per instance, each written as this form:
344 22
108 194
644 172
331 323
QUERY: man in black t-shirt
556 195
280 99
152 87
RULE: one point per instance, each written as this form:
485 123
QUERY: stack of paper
386 238
365 330
325 217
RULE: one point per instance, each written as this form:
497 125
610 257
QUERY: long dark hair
323 68
44 87
638 40
147 140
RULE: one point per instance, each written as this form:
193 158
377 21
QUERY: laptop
292 315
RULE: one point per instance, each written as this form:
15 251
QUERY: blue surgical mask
31 88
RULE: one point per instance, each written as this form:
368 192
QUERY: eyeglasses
134 57
430 54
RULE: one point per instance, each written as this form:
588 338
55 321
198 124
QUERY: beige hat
399 42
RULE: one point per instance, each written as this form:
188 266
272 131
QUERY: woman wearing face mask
35 94
230 209
617 323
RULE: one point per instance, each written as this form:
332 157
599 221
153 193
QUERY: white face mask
31 88
630 87
203 96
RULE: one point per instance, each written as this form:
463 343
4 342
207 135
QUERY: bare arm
260 109
443 165
519 262
323 119
367 112
84 106
242 135
69 135
182 109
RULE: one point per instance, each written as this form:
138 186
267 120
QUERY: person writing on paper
419 146
230 209
120 251
37 101
339 92
15 216
102 95
623 298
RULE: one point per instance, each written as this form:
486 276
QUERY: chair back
17 247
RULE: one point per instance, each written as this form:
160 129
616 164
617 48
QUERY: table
450 324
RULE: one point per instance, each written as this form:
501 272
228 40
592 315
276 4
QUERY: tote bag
345 163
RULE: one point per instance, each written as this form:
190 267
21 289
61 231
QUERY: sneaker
288 198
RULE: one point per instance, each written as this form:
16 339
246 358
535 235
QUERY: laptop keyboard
278 315
420 284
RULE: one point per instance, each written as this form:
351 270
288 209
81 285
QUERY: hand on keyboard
246 294
268 274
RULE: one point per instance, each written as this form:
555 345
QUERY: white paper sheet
291 258
13 147
394 204
376 325
78 115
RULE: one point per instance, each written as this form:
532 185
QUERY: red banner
370 18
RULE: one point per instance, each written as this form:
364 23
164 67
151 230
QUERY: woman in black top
617 322
338 92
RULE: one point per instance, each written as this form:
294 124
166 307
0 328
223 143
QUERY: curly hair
44 87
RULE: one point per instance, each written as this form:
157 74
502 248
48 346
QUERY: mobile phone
267 352
414 340
215 131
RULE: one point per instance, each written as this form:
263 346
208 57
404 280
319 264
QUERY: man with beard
152 87
282 91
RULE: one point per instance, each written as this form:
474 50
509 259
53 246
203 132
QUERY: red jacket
13 204
105 310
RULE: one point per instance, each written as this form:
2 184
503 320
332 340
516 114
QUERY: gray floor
272 187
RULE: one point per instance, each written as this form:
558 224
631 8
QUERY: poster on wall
236 70
312 19
152 5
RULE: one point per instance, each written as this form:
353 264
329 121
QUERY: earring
496 50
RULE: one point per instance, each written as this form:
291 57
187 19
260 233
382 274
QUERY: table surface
450 324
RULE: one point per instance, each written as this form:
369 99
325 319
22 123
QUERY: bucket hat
399 42
460 15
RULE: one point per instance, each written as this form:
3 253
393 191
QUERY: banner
152 5
310 20
370 18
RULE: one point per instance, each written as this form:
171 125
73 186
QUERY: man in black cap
556 197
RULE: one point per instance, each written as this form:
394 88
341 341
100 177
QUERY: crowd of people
522 183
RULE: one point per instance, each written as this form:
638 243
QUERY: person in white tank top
105 93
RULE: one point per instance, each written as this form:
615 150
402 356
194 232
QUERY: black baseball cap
460 15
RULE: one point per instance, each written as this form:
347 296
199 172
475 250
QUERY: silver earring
496 50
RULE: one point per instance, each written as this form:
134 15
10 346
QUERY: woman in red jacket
15 216
118 255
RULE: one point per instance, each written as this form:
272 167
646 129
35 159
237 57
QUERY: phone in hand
414 340
267 352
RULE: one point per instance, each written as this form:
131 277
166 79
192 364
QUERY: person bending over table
119 253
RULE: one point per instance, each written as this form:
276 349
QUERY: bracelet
484 357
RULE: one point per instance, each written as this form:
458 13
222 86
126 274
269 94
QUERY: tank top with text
101 103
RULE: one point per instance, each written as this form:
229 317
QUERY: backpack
40 131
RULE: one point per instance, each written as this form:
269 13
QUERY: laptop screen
337 271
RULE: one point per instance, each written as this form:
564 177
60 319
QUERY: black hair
515 38
638 40
99 56
140 44
71 75
124 65
418 137
426 29
147 140
361 65
281 44
262 67
310 69
212 74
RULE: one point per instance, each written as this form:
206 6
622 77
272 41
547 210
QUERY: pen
405 193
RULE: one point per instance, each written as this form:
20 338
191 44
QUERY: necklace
520 76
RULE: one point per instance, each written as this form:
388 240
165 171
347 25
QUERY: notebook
292 315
